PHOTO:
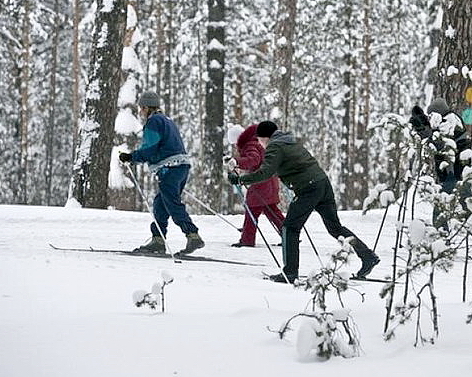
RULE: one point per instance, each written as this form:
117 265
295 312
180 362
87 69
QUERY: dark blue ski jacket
161 139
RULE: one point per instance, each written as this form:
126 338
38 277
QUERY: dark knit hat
439 105
266 128
149 99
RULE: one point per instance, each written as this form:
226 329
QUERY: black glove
233 178
125 157
420 122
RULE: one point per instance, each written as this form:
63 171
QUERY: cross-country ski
178 256
371 279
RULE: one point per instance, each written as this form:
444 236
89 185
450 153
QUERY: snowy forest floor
65 313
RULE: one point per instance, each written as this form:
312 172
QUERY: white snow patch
215 44
450 32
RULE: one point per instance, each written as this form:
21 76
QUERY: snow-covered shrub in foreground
379 196
320 336
325 333
154 299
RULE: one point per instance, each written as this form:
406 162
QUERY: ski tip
373 280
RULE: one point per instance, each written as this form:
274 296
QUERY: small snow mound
72 203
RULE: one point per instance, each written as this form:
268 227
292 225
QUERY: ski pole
211 210
306 231
138 187
313 246
264 203
381 227
251 215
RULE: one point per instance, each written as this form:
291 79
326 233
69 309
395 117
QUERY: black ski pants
319 197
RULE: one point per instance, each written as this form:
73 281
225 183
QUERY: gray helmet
149 99
439 105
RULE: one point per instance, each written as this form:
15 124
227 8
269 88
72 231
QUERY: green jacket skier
300 171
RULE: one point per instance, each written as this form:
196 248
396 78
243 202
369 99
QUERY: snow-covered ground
65 313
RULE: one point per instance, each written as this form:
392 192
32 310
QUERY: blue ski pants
168 202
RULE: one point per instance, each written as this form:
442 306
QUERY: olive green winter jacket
287 158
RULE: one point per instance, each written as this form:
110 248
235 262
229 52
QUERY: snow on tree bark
96 130
122 192
454 70
211 172
283 53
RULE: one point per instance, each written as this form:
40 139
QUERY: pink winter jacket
251 154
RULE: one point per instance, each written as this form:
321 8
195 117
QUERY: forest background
337 74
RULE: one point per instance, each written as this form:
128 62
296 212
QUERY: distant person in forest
163 150
441 124
261 197
299 171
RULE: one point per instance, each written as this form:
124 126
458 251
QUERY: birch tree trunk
96 129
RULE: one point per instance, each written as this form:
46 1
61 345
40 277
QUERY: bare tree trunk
126 196
282 74
344 178
75 76
25 83
201 112
92 164
214 106
455 53
161 42
52 106
168 32
238 97
360 164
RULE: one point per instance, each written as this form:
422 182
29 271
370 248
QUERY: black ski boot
156 245
239 244
368 264
280 278
194 242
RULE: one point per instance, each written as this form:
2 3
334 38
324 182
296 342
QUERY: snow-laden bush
325 333
154 299
320 336
379 196
427 252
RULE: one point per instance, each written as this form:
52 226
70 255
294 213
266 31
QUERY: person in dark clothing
163 150
261 197
439 125
299 171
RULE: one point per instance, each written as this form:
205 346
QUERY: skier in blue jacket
163 150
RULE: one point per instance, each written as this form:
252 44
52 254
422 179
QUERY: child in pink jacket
261 197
